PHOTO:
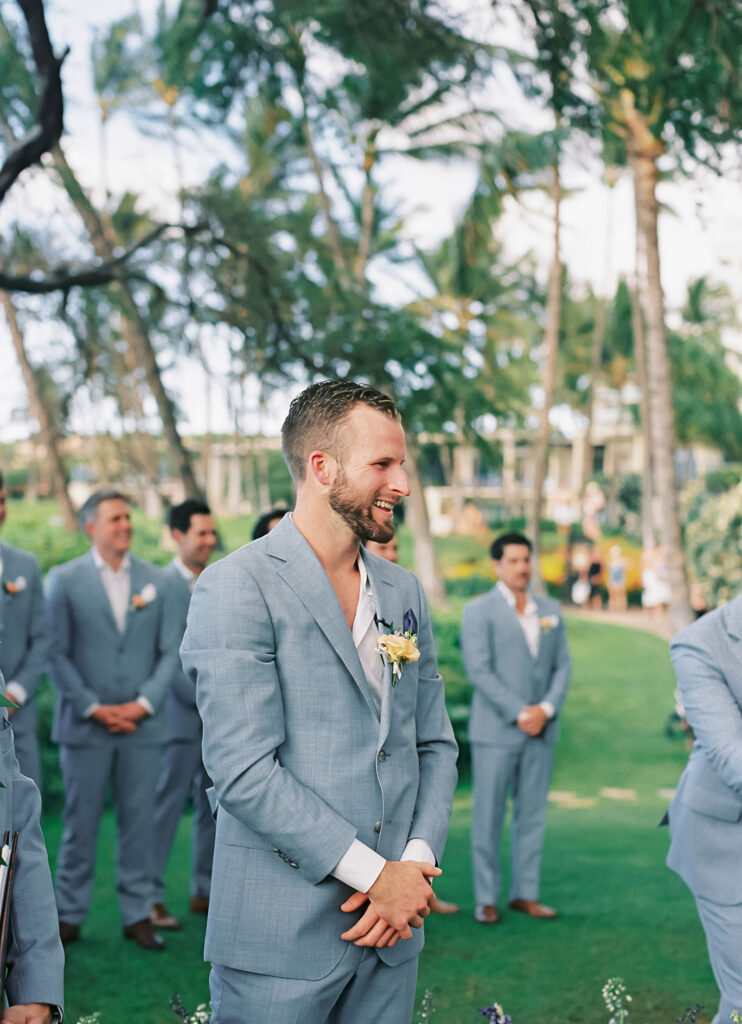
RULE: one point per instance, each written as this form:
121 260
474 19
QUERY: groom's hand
369 930
400 895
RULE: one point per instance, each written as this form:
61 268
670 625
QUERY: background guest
267 521
182 771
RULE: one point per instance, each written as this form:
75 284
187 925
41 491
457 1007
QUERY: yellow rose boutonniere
398 648
548 622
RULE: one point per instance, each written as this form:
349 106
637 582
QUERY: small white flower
149 592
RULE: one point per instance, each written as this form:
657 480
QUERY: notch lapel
136 583
298 565
512 616
98 593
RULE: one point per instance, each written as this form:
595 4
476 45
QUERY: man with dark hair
333 764
113 654
267 522
514 646
23 643
182 771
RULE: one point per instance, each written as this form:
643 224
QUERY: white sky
699 235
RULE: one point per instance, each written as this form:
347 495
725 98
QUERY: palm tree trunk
551 345
640 358
426 565
643 155
39 409
134 327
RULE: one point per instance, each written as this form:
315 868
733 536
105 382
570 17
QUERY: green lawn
622 912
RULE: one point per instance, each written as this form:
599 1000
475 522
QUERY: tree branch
50 120
63 279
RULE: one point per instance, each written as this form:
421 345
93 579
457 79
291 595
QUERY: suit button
377 827
293 864
382 755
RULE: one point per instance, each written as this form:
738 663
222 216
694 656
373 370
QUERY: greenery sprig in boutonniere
16 586
399 645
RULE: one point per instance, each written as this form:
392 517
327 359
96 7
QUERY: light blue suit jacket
302 763
706 812
23 642
35 957
181 711
505 675
91 661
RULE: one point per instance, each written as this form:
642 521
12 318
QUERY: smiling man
113 654
334 777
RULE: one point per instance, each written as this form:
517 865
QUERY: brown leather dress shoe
534 909
68 932
161 917
199 905
441 907
487 914
144 935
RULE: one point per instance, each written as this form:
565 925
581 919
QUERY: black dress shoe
144 935
161 917
68 932
199 904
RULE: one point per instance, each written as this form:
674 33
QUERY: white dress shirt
188 574
16 691
117 585
360 866
531 625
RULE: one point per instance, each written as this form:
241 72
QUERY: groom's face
369 480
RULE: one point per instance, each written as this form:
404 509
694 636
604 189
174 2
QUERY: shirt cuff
418 849
17 692
90 709
359 867
548 708
146 705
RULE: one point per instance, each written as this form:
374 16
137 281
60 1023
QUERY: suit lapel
97 591
298 565
387 608
507 610
136 583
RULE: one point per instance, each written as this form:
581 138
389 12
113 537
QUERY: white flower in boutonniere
16 586
147 596
548 622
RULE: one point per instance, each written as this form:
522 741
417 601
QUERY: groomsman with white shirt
182 771
114 635
514 646
22 643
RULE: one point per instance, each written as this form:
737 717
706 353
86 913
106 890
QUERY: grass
622 912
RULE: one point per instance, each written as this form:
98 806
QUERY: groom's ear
321 466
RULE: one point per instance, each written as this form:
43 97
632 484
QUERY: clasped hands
397 902
532 719
119 718
27 1013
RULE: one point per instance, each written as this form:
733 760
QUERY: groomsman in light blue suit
22 644
334 772
114 637
34 983
182 771
515 652
705 815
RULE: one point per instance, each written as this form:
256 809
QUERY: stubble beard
358 517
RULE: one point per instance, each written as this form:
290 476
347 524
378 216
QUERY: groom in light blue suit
22 644
334 774
113 654
705 815
515 652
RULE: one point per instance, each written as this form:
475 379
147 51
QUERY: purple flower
409 622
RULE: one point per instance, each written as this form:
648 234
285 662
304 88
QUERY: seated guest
267 521
22 644
113 653
34 983
182 772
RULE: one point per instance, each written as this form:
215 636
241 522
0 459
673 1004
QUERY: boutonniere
399 645
16 586
548 622
146 596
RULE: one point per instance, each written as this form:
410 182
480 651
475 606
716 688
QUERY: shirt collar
365 581
101 564
188 574
509 596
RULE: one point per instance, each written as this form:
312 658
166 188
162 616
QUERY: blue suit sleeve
561 670
169 635
31 668
60 666
477 651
